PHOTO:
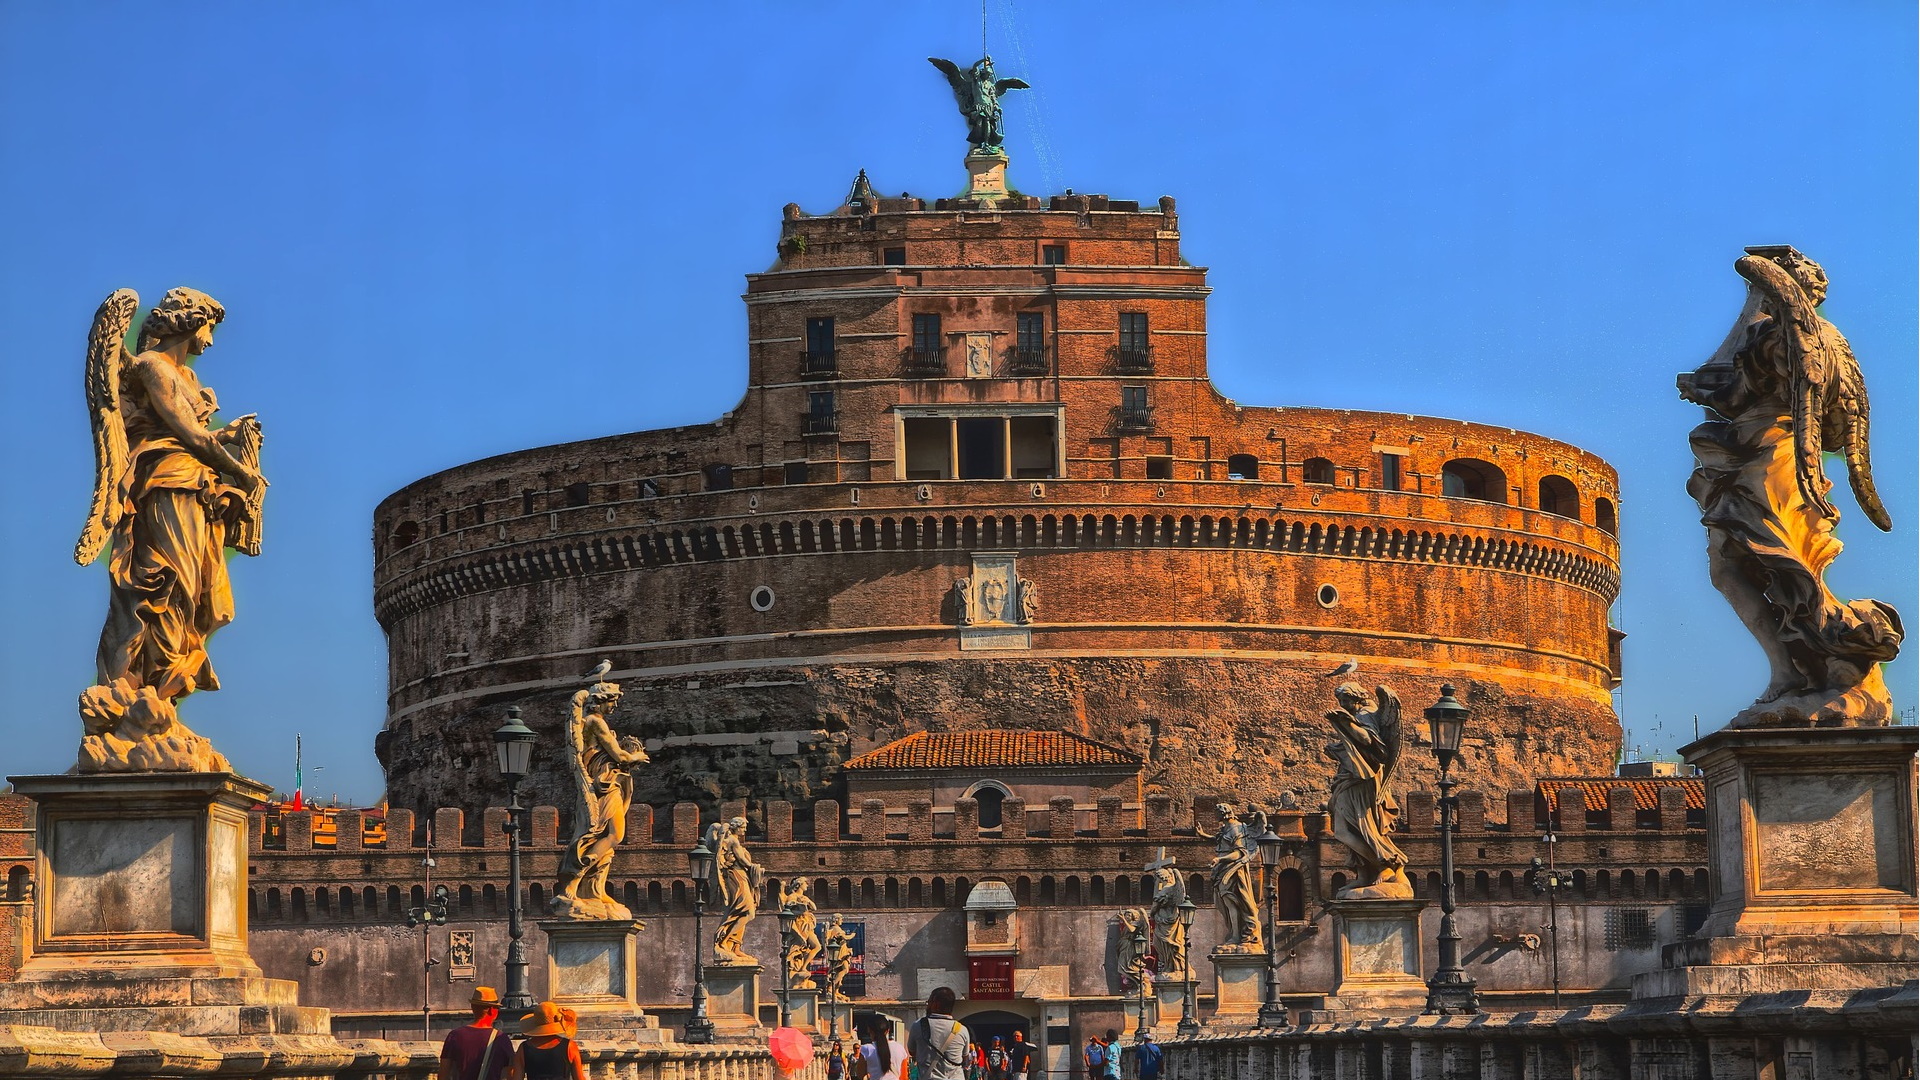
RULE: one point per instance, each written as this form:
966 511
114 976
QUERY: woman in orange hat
547 1053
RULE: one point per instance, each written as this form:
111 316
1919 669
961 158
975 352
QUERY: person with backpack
937 1043
997 1060
1149 1056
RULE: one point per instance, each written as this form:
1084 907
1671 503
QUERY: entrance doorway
988 1023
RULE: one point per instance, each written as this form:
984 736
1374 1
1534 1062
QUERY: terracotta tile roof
990 749
1646 790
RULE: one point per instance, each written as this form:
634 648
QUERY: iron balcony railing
1133 418
1133 360
1029 360
819 365
820 423
925 360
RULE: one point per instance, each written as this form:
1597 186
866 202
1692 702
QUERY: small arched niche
1471 478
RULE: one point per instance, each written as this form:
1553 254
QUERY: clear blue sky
444 231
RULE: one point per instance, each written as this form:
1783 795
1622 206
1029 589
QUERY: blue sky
444 231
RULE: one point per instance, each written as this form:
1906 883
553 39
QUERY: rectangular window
1133 331
929 448
649 489
1054 254
983 445
1390 472
926 333
1032 438
820 404
1031 331
578 494
893 256
1629 929
820 337
1159 468
526 500
1133 398
796 472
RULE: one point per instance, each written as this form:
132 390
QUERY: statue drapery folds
1360 806
601 764
737 881
1235 854
1781 391
171 495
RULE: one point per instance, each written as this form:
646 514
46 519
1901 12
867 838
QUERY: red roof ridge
991 748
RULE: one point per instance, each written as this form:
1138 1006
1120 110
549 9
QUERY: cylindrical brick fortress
1014 398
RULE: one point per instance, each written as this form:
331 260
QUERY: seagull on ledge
599 671
1344 670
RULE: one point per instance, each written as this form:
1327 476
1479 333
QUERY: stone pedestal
803 1009
141 923
1378 942
590 969
987 174
1810 835
1241 985
1169 997
733 999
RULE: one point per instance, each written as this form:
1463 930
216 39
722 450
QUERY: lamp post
1548 880
1144 985
427 916
699 1030
1450 990
788 939
513 746
1272 1014
1189 1026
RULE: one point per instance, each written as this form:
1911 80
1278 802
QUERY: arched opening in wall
406 534
253 904
1097 890
1471 478
1506 885
679 896
1482 886
1047 893
1653 884
393 900
1023 890
273 903
961 888
347 899
297 904
1290 896
17 883
369 901
1123 890
1316 470
892 892
1580 884
992 796
490 899
1337 882
916 893
466 899
537 896
631 895
939 892
844 892
1700 883
1604 517
1433 885
1073 896
1677 883
1243 467
653 896
1559 496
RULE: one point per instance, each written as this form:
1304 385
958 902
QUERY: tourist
546 1053
836 1061
1148 1056
881 1058
937 1042
997 1060
476 1051
1019 1056
1095 1054
1112 1042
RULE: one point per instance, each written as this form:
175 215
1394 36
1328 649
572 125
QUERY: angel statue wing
1826 392
106 357
1005 85
1387 721
957 79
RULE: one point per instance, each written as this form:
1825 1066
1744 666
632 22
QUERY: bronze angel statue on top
1360 806
171 494
978 93
1781 391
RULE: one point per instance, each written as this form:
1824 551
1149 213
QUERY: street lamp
699 1029
1548 880
1145 982
788 939
1450 990
1189 1026
427 916
1272 1014
513 747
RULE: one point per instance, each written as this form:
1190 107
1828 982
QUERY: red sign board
989 978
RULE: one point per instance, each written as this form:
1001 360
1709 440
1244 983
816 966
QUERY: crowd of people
938 1047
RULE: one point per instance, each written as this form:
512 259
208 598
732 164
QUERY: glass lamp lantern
1446 722
513 746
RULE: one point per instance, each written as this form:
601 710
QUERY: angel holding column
1360 807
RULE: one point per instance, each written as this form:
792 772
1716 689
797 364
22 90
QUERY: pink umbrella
792 1049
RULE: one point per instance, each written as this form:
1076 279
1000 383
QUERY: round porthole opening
761 598
1329 596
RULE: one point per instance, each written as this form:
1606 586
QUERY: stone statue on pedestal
1360 806
1781 391
1235 854
602 765
1135 944
737 881
837 942
978 93
170 495
799 956
1169 935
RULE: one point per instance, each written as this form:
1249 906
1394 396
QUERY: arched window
1603 516
1290 896
1316 470
406 534
990 794
1559 496
1243 467
17 883
1471 478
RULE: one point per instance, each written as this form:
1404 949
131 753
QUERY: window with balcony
1029 344
822 416
817 359
927 355
1134 353
1135 414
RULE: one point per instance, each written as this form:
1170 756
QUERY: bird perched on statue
599 671
1344 670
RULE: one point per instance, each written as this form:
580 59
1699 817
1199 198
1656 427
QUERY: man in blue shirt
1149 1056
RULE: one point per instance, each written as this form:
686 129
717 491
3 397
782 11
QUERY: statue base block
1169 998
1810 837
590 969
1378 942
803 1009
1240 985
733 999
141 923
987 175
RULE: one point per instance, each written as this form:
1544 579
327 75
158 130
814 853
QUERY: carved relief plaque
459 955
979 356
991 617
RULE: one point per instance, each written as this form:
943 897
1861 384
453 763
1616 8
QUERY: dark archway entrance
991 1022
